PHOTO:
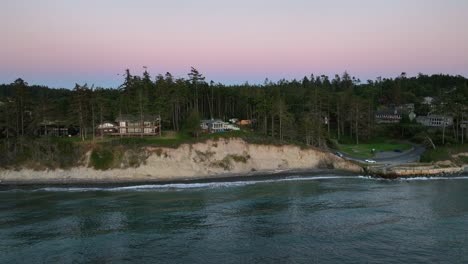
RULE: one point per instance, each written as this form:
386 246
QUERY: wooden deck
133 134
149 131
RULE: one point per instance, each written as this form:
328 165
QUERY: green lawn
365 150
445 153
168 138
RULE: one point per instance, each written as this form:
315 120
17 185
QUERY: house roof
137 118
211 121
432 116
439 116
387 112
53 123
101 125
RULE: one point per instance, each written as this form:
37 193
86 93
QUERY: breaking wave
226 184
182 186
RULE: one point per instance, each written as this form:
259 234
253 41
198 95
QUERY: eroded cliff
224 157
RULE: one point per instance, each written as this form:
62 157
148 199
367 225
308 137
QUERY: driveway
393 158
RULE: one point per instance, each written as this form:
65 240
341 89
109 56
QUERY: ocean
282 219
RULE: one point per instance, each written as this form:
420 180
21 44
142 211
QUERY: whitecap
225 184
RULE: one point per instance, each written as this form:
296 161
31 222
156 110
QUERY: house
133 125
231 127
391 115
204 124
435 120
428 100
388 116
244 122
217 125
106 128
233 120
213 125
406 108
56 128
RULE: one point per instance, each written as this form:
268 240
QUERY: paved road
392 158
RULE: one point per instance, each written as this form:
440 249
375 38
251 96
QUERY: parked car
398 150
339 154
370 161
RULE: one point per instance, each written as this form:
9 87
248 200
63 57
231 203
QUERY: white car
370 161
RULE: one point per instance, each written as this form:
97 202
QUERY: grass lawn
445 153
365 150
168 139
173 139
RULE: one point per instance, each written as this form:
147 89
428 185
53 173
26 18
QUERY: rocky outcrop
224 157
413 170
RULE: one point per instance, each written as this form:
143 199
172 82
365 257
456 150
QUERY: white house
217 125
428 100
106 128
435 120
130 125
231 127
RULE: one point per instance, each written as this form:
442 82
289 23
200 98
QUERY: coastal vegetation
315 111
368 150
457 154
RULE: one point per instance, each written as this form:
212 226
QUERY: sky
62 42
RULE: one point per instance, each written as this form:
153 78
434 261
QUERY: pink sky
61 42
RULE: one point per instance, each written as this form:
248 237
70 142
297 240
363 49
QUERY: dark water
328 219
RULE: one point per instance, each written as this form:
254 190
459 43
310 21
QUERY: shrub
463 159
438 154
239 158
325 164
101 159
224 163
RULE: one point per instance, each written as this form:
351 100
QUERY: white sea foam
184 186
226 184
435 178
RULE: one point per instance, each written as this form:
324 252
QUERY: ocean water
289 219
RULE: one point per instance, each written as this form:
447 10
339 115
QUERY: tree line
312 110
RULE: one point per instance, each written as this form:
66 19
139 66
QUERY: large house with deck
131 125
435 120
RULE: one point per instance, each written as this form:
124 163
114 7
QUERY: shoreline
196 179
420 170
215 160
226 177
208 160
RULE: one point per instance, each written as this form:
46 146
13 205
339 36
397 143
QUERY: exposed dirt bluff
219 158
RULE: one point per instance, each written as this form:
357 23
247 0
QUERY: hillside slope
224 157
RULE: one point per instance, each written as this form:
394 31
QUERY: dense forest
314 111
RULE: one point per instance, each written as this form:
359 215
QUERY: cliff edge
213 158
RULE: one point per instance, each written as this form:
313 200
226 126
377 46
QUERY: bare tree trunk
82 132
101 120
328 115
462 129
357 124
281 122
22 121
443 131
93 120
272 125
338 120
210 106
142 124
160 125
196 97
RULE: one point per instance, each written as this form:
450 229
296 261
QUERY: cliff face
212 158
